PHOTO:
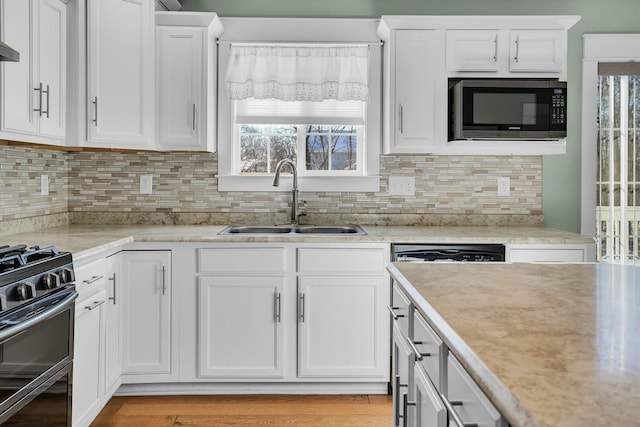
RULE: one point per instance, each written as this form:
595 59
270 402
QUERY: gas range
29 273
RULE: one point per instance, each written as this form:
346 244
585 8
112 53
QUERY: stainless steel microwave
513 109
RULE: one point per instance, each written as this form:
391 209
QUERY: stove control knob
22 291
50 281
66 275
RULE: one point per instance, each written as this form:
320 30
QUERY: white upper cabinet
120 73
186 73
502 52
414 68
33 91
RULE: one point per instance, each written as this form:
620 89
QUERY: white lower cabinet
146 316
430 387
88 359
551 253
240 327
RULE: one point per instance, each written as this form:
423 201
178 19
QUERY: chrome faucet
296 213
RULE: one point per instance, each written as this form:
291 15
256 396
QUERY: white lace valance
298 73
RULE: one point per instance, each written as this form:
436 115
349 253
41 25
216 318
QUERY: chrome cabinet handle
495 49
395 315
302 308
405 408
515 58
164 280
194 124
453 415
95 110
39 90
95 304
276 309
401 119
419 356
93 279
48 94
113 279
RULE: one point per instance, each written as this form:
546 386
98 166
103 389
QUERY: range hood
8 54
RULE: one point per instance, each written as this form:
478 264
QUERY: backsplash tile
103 187
20 170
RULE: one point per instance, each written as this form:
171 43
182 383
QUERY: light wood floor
272 411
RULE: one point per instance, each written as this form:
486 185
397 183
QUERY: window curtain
298 73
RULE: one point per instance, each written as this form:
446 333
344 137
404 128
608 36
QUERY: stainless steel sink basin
320 230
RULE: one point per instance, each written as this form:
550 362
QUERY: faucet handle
302 210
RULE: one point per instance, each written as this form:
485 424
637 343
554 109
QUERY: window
317 104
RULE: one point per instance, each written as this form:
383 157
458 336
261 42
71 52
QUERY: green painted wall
561 174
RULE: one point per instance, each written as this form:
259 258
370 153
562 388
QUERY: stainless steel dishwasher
446 252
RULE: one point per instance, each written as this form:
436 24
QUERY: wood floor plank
247 410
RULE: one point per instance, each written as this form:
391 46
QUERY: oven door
36 354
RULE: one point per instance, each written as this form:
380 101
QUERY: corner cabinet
186 58
33 91
120 73
423 52
146 316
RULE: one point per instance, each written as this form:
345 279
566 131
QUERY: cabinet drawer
241 260
432 348
349 261
469 402
90 277
399 309
546 255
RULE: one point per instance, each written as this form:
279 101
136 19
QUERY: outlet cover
44 185
146 182
504 186
402 186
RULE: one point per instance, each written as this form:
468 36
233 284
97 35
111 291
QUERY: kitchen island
549 344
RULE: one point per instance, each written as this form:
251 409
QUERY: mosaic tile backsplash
102 187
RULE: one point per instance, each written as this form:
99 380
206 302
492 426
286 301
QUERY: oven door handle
11 331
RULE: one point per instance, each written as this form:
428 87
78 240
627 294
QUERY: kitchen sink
322 230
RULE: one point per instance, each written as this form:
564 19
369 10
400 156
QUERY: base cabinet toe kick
430 387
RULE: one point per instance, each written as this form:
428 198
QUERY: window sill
311 183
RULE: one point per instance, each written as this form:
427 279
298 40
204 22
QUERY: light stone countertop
85 240
550 344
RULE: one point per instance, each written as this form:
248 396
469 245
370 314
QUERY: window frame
300 30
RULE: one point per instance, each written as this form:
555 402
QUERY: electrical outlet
146 183
402 186
44 185
504 186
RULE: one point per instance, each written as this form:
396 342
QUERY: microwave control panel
558 108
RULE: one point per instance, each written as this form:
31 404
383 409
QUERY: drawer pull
405 408
395 315
419 356
95 304
93 279
453 415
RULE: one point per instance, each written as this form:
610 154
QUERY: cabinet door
414 120
472 50
340 327
180 88
536 51
120 79
401 361
146 301
240 327
429 410
17 92
52 53
87 360
113 327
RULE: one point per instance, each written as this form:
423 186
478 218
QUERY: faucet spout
294 189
